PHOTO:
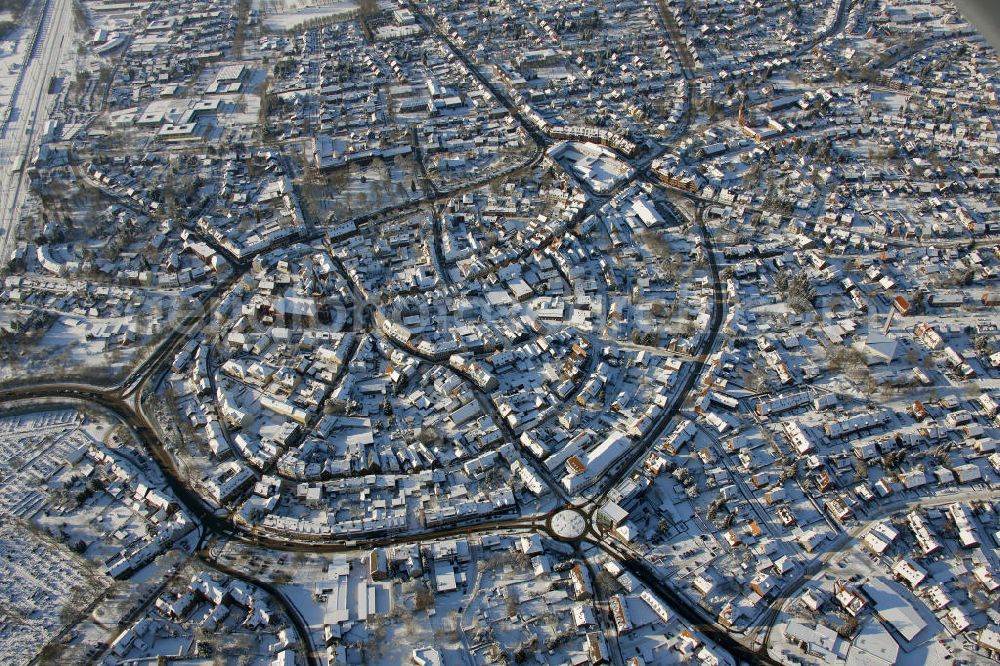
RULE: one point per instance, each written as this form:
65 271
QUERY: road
838 25
123 400
539 137
23 131
308 650
691 614
693 369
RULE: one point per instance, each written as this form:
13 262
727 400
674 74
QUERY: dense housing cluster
505 331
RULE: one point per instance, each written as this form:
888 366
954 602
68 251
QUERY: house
967 473
894 610
963 523
985 578
763 584
909 572
957 619
879 348
580 582
989 641
620 614
426 656
849 599
596 648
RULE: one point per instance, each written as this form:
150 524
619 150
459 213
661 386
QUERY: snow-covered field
287 14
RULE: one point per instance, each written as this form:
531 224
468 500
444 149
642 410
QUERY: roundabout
568 524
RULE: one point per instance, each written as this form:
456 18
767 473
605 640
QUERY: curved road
123 400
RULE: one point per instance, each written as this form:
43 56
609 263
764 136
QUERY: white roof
893 607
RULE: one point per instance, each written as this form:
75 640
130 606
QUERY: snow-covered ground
287 14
